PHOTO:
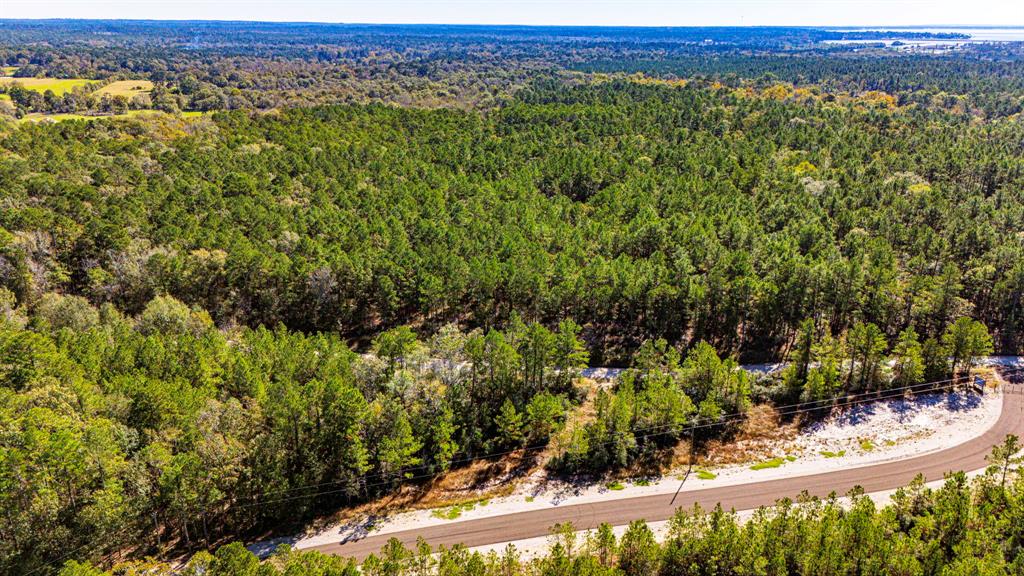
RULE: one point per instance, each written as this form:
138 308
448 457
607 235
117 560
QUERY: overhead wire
653 431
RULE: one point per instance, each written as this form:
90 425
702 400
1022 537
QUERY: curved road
968 456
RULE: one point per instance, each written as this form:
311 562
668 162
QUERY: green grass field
773 463
36 117
127 88
58 85
454 511
8 70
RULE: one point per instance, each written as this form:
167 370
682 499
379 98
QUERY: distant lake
976 35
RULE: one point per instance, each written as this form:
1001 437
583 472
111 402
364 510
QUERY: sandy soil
861 436
537 547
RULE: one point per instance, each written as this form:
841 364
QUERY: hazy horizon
896 27
642 13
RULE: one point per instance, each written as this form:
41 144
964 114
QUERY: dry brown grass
579 417
481 479
669 459
990 375
126 88
759 437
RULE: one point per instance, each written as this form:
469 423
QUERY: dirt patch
758 438
765 447
480 480
476 482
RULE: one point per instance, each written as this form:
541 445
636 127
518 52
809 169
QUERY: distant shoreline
518 27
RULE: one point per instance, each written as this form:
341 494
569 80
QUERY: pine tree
1005 458
638 551
398 448
908 362
965 341
510 424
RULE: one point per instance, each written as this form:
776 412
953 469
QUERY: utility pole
689 468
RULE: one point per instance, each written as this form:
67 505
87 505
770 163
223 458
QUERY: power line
650 432
67 555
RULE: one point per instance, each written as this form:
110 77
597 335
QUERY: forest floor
863 435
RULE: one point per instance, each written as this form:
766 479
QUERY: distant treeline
992 88
200 66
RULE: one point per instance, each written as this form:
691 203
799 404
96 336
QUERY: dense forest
388 252
960 528
139 434
696 213
119 430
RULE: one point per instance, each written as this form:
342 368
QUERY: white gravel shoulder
860 436
539 546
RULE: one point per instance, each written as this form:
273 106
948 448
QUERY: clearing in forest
127 88
61 117
59 86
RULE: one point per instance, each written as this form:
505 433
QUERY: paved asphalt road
968 456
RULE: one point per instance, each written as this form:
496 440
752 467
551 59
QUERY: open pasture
127 88
59 86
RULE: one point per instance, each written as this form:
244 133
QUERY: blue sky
581 12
